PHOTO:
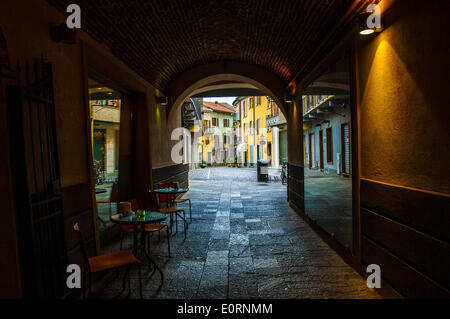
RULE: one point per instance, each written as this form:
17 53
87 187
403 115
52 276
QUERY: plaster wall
404 112
29 39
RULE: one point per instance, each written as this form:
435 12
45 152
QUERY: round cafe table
138 223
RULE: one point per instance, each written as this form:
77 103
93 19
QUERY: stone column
275 147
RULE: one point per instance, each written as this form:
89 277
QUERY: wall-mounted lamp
289 96
371 20
163 100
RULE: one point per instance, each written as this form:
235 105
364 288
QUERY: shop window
334 179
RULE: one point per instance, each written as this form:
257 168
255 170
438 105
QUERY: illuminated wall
405 149
405 136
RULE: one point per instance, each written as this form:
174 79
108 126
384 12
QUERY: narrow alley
245 242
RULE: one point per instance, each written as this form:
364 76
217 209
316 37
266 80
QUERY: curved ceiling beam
230 93
191 80
229 85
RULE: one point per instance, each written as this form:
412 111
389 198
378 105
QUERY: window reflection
105 106
327 151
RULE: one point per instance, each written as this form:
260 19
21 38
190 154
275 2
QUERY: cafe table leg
135 239
150 260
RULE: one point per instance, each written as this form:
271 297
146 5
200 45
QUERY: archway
221 75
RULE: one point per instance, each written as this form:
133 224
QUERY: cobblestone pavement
244 242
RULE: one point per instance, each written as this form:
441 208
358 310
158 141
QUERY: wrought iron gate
36 180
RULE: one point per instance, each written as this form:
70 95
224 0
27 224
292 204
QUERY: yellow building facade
254 137
215 145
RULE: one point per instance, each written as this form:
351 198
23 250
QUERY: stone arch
223 74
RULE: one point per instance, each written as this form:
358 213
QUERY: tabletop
170 190
149 217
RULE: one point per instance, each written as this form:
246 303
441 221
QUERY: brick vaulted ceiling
160 39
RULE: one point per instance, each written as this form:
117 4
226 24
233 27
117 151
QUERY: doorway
36 182
304 151
105 113
321 150
312 151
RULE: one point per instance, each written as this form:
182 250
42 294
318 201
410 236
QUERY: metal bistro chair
168 199
115 260
183 200
149 228
172 211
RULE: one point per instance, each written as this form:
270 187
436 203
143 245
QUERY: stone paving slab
244 242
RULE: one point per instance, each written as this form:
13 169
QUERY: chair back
164 198
77 230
